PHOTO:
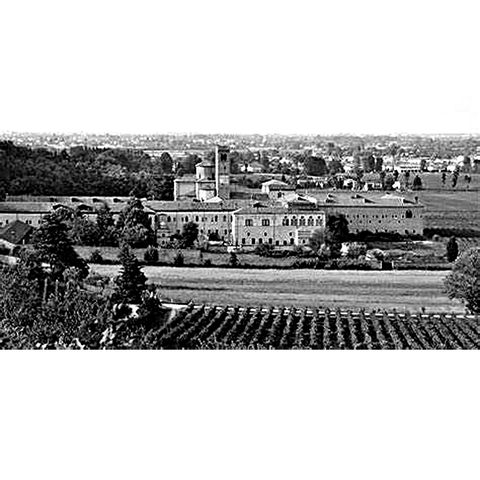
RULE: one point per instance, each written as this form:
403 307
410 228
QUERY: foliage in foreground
64 315
463 282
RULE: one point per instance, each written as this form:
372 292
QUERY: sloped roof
205 163
47 207
28 207
215 199
15 232
190 206
276 183
66 199
364 200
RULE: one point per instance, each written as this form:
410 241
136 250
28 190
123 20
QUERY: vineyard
211 327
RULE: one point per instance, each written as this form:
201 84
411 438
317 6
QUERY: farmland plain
410 290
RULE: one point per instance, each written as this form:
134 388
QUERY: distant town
272 153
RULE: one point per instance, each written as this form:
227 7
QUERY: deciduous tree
463 282
54 246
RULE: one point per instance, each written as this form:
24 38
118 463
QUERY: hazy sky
358 66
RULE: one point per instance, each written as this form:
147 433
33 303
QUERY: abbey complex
278 214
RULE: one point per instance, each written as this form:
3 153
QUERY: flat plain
402 290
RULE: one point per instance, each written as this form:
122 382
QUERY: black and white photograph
257 182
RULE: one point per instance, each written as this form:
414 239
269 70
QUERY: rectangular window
265 222
248 222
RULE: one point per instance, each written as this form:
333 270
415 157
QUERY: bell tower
222 171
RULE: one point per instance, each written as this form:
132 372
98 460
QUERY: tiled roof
206 163
360 199
186 179
278 209
66 199
15 232
28 207
47 207
190 206
275 182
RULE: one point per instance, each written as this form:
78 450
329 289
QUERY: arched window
310 221
408 214
294 221
285 221
318 222
302 221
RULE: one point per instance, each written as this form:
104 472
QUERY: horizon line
338 134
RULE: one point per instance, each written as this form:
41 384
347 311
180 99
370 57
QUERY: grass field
409 290
450 209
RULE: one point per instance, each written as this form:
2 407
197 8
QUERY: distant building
288 221
211 179
31 209
275 225
276 189
15 234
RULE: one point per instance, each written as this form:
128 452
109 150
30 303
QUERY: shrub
451 232
151 255
97 280
264 250
179 259
452 249
348 264
355 249
233 260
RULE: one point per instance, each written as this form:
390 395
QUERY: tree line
84 171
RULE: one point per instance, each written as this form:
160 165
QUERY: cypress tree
106 226
452 249
131 282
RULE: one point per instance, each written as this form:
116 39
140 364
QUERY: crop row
291 328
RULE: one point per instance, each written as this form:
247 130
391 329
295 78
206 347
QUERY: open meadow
403 290
451 209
